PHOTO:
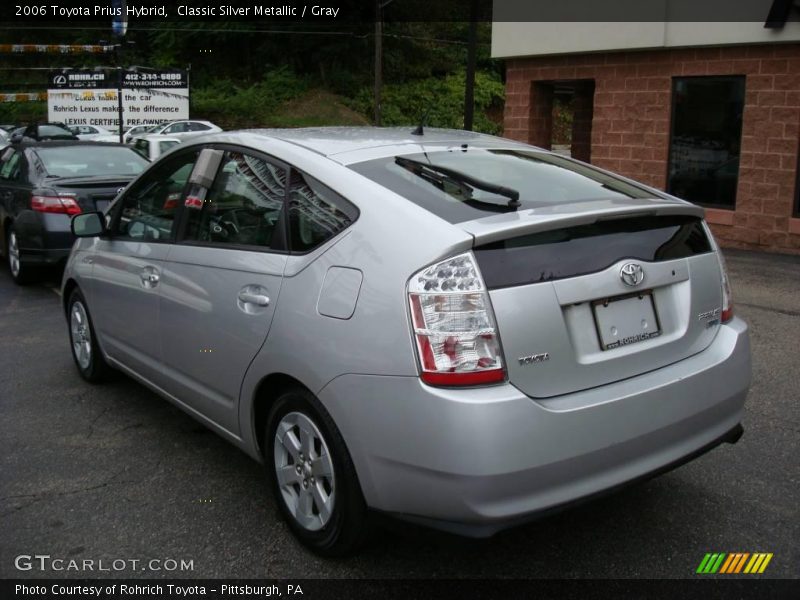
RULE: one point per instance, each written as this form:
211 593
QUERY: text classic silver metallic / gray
451 328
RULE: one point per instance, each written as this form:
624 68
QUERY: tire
83 341
299 426
19 272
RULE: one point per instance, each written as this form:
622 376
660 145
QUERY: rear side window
316 213
541 179
584 249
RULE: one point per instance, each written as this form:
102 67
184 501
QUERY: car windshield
540 178
87 161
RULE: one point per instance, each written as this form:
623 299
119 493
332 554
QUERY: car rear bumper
44 238
476 461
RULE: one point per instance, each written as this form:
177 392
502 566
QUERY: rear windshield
540 178
87 161
53 131
583 249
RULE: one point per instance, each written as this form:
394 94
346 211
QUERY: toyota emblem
631 274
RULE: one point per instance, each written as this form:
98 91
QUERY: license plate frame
625 320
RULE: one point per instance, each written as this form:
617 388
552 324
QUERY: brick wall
631 124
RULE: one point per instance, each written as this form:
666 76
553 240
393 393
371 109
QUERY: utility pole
469 86
119 89
119 27
378 60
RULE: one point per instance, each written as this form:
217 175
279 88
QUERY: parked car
8 127
134 132
42 131
184 129
452 328
91 132
42 184
153 146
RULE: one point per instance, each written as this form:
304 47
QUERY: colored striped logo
735 562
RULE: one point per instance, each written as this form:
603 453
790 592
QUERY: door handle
149 277
249 298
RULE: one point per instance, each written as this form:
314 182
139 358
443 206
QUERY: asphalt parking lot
114 472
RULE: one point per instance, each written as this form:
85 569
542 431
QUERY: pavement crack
34 498
95 420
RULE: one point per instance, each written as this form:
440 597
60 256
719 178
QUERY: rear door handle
250 298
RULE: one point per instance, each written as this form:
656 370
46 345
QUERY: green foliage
562 121
23 112
231 106
256 73
440 98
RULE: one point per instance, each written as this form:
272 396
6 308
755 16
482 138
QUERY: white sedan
90 132
153 146
187 128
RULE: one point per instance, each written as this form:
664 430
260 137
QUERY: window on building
706 139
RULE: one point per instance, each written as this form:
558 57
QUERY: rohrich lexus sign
83 97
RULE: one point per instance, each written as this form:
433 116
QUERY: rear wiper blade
428 171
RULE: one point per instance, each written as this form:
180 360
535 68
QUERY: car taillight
727 298
62 203
454 326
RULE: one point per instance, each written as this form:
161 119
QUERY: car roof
30 143
330 141
158 137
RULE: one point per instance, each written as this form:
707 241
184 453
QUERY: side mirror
91 224
16 138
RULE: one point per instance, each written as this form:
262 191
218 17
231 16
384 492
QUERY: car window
141 147
176 128
243 206
90 160
542 179
10 169
50 131
164 146
147 210
316 213
198 127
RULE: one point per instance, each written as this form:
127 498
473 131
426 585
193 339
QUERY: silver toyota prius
451 328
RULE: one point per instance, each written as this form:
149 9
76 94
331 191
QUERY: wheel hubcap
81 335
13 254
305 471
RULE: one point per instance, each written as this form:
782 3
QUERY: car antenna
420 128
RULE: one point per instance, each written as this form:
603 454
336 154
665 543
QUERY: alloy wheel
13 253
81 335
304 471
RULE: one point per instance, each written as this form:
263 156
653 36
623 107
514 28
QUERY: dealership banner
88 97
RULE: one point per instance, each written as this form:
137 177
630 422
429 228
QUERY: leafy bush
232 106
440 98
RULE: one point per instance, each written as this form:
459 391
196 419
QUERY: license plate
626 320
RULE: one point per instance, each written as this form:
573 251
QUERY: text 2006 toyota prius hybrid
452 328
